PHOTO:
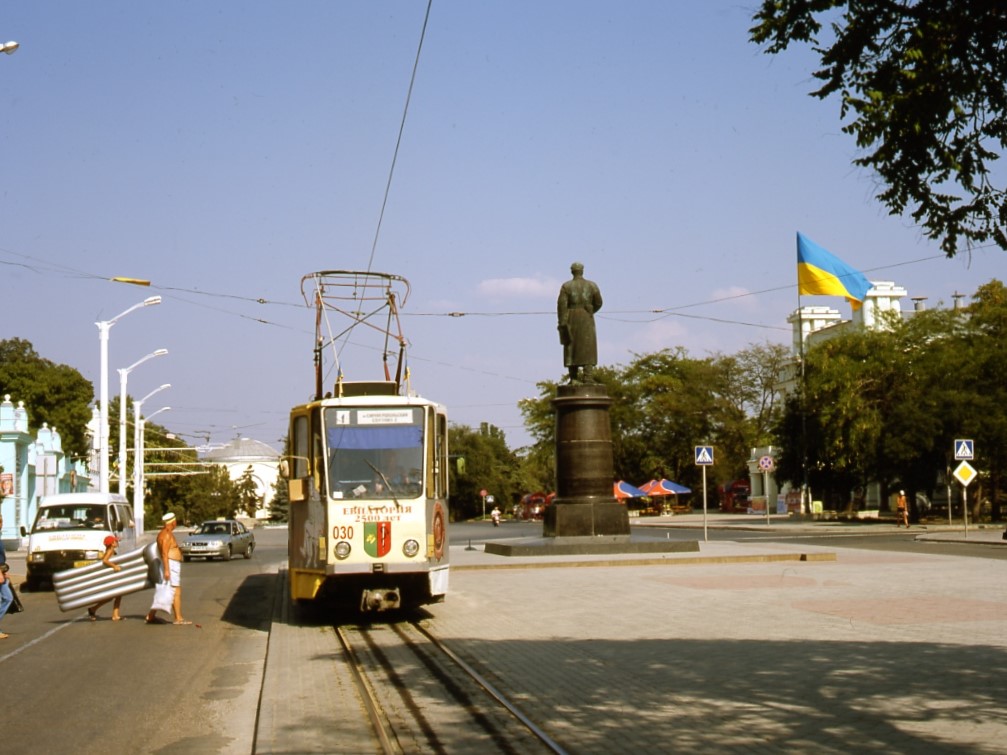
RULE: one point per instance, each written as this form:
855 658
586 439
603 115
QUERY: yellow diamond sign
964 473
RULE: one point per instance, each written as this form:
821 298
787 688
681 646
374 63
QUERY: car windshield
71 517
214 528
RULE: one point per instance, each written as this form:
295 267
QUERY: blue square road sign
964 449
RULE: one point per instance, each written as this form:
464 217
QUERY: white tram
367 474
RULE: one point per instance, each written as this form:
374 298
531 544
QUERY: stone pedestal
584 504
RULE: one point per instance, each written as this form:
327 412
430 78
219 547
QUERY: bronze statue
579 299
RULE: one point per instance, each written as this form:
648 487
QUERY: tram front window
368 462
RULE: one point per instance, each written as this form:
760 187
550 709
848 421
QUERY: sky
224 150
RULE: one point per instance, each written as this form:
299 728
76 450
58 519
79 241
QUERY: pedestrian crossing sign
704 455
964 449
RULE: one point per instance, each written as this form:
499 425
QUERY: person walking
171 562
111 543
902 509
6 594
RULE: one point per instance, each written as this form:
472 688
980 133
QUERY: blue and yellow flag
821 273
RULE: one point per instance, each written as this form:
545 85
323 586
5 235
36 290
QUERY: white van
70 531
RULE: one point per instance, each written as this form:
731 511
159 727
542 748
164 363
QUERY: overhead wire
398 141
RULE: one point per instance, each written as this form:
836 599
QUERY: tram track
420 696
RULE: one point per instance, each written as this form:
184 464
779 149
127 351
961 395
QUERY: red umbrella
623 490
664 487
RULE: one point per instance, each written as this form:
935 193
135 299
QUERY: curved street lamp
123 377
138 456
10 47
141 424
103 327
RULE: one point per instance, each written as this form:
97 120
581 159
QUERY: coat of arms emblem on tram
377 538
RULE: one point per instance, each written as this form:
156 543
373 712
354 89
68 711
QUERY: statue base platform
587 546
586 518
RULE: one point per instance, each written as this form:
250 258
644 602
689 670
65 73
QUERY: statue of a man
579 299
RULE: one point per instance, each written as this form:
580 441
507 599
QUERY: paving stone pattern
872 652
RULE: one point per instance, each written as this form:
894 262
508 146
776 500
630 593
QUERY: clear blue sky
223 150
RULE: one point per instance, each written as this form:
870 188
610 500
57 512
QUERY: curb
677 561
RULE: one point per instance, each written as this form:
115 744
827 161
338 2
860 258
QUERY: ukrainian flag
821 273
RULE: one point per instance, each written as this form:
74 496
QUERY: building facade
242 454
33 466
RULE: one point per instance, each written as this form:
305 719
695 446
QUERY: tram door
306 514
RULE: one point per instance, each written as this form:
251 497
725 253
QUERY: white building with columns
243 453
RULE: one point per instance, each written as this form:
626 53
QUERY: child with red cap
111 543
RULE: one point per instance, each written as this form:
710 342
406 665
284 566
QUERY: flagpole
805 495
805 503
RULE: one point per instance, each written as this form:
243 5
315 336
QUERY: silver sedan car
220 538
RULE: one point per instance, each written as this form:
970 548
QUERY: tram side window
442 456
299 448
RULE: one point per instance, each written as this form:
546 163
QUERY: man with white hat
171 562
903 509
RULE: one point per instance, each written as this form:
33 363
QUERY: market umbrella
623 490
664 487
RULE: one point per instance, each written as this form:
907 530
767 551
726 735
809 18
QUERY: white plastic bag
164 595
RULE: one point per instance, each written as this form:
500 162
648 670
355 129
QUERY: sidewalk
982 533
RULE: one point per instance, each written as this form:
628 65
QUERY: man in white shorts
171 559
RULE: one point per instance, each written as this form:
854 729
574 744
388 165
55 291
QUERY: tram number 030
342 533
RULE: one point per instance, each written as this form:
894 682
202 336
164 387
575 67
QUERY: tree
664 404
987 334
279 507
248 492
195 497
489 465
55 394
886 405
922 89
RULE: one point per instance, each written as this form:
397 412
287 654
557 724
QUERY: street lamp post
138 423
103 328
123 377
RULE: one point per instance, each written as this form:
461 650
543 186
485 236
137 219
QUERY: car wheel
227 556
249 549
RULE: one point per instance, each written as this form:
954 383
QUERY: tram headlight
342 550
410 548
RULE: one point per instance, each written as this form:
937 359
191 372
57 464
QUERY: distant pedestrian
111 543
6 595
902 509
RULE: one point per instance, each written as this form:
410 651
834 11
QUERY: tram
367 470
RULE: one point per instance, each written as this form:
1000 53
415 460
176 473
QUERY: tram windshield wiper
388 485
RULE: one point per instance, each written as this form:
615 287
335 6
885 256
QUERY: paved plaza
870 652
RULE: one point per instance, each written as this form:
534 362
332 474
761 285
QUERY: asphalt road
72 685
